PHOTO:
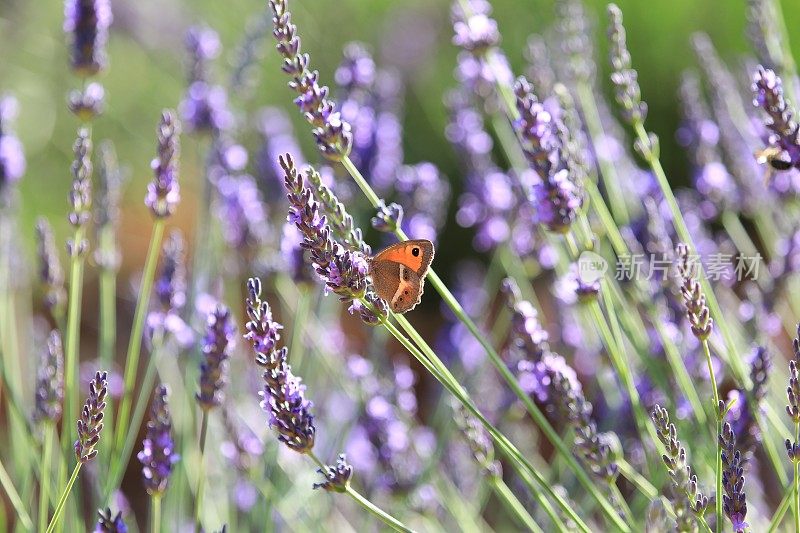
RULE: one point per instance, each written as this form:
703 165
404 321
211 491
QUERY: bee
778 158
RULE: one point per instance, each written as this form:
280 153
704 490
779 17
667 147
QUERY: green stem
16 501
528 472
120 460
44 476
108 304
512 504
135 342
72 391
497 362
607 171
796 465
719 415
379 513
63 499
789 496
201 473
155 514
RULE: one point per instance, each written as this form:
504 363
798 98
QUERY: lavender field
315 266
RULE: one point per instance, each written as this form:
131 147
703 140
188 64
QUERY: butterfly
398 273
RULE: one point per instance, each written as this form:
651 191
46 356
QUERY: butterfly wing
398 273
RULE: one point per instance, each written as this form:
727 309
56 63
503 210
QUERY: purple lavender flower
480 443
217 344
205 108
50 381
284 399
158 455
734 502
262 330
356 77
170 292
784 139
528 337
687 496
90 423
110 181
241 209
793 395
741 414
51 275
624 77
87 103
337 217
330 130
108 522
343 271
337 477
12 157
80 196
554 195
696 307
87 21
278 138
425 193
474 30
388 218
202 45
294 255
575 33
163 193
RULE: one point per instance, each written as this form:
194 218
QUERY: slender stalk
512 504
497 362
376 511
16 501
108 304
72 390
135 342
529 473
718 468
63 499
44 476
796 466
201 473
155 514
120 460
789 496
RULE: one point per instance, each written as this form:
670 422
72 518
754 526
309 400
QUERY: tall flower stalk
793 410
90 425
163 195
158 455
49 408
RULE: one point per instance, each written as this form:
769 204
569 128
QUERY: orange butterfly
398 273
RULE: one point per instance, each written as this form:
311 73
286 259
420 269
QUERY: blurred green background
147 73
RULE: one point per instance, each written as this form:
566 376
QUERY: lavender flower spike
554 195
337 477
343 271
696 308
90 423
108 522
624 77
331 132
785 136
283 395
50 381
688 497
793 395
87 21
218 342
51 275
12 158
80 197
475 31
734 501
158 453
163 193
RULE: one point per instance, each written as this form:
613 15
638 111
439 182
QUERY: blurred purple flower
785 133
87 103
12 157
734 501
108 522
424 194
163 193
80 195
217 345
278 139
158 455
170 293
51 275
50 381
240 207
337 477
474 30
87 21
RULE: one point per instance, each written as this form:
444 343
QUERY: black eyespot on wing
415 251
405 292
